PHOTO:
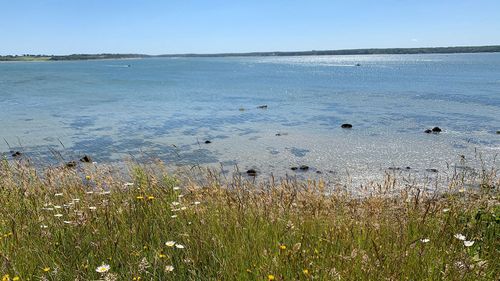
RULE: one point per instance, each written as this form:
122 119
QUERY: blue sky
210 26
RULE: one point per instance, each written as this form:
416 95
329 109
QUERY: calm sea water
168 108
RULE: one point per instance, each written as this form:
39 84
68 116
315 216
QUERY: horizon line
261 52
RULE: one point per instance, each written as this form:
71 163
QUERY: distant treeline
29 57
97 57
433 50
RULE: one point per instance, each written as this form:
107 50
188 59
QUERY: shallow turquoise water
168 107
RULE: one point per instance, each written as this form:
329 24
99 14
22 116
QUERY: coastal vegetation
69 57
372 51
99 222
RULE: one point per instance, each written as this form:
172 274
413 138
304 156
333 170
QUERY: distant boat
358 64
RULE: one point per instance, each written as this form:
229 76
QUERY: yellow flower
137 278
87 178
139 197
6 277
305 271
282 247
16 278
151 197
46 269
162 256
270 277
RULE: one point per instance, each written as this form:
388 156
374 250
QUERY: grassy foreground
68 224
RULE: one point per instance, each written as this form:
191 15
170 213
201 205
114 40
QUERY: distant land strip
374 51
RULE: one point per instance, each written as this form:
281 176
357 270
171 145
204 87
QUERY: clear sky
212 26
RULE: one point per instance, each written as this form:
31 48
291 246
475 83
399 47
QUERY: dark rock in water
16 154
304 167
252 173
346 126
432 170
319 172
428 131
358 64
262 106
71 164
498 132
294 168
436 130
408 168
86 159
207 142
394 168
278 134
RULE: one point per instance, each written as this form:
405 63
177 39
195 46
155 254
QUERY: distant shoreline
372 51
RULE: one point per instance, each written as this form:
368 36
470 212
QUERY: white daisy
468 243
170 243
460 236
169 268
103 268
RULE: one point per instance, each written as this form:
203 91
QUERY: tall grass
62 224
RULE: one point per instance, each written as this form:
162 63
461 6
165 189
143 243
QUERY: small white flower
446 210
43 226
48 209
76 200
176 188
169 268
89 192
197 202
180 246
103 268
460 236
183 208
468 243
58 194
180 195
58 215
57 207
173 216
425 240
105 192
175 203
170 243
68 222
92 208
